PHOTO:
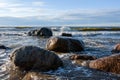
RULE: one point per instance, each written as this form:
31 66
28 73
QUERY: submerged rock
116 49
60 44
3 47
71 75
108 64
66 34
34 58
38 76
43 32
82 57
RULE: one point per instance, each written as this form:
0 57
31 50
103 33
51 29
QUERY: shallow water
97 43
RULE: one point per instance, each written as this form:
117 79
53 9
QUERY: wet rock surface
34 58
116 49
62 44
38 76
43 32
73 75
82 57
16 73
107 64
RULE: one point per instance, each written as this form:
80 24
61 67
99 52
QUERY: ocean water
97 43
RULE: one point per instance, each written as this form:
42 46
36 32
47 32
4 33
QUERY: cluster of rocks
32 58
108 64
45 32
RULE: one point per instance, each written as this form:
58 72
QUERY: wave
3 59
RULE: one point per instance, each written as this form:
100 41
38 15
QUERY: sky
59 12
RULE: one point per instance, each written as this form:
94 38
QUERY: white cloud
2 5
38 3
37 11
20 8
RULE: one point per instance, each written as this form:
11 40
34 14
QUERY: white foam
2 51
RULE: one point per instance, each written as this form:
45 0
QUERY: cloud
110 17
38 3
101 16
2 5
35 12
20 8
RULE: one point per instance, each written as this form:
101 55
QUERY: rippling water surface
97 43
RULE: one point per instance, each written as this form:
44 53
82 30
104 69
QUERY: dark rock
33 32
43 32
4 47
82 57
34 58
60 44
66 34
116 49
108 64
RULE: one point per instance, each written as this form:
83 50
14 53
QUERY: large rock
43 32
116 49
60 44
108 64
34 58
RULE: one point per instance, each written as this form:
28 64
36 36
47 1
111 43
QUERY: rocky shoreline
34 61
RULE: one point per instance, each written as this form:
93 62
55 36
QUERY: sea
97 43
